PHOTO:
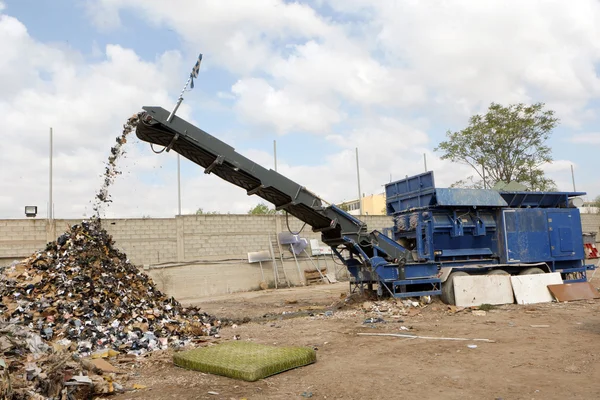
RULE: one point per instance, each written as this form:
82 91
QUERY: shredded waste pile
68 313
80 295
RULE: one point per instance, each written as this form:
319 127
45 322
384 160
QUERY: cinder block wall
591 223
160 240
194 256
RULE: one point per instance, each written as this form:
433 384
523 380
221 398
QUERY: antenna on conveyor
190 82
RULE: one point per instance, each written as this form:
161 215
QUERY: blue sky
322 78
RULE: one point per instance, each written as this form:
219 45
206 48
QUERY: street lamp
30 211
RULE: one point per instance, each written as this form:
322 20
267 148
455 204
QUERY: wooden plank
574 291
476 290
531 289
331 278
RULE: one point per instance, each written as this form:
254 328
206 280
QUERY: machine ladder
279 276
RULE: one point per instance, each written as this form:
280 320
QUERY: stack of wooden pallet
315 276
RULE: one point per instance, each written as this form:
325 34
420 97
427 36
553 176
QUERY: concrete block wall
19 237
208 239
187 282
591 223
213 237
145 240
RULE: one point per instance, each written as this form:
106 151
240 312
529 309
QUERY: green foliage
509 143
596 203
200 211
344 207
262 209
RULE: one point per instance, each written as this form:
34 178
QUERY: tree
201 211
596 204
262 209
506 144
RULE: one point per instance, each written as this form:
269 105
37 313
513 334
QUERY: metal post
50 206
483 174
425 161
179 100
358 180
573 178
179 184
275 153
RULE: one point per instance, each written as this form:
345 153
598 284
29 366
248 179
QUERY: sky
321 78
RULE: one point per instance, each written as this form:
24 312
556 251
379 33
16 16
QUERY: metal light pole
358 180
50 204
275 153
573 178
179 184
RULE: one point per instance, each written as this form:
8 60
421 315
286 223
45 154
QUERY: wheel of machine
532 271
497 272
448 288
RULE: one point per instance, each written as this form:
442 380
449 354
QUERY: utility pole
50 203
483 174
358 179
275 153
425 161
573 178
179 184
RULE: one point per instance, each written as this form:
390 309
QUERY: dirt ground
556 358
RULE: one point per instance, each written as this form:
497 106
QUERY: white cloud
86 104
282 110
586 138
379 81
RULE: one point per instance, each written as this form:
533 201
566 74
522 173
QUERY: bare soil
556 358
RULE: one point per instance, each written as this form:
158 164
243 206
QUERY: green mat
244 360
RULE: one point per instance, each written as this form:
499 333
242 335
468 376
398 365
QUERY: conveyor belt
222 160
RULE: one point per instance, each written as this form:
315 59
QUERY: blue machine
480 231
437 233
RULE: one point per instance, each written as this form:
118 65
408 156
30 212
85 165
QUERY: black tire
448 288
532 271
497 272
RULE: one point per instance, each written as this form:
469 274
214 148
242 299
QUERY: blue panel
565 232
414 191
566 240
420 271
469 198
526 235
539 199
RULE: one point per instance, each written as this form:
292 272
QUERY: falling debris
111 171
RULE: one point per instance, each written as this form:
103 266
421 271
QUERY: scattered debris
479 313
472 346
540 326
373 321
400 335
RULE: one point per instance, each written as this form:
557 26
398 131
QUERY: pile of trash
395 308
82 290
81 297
